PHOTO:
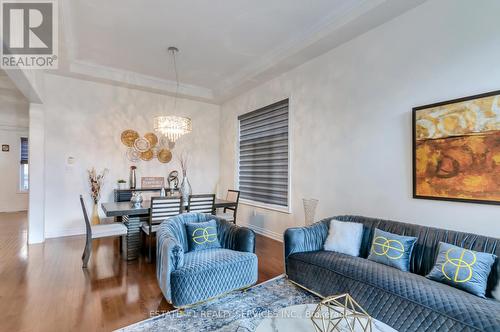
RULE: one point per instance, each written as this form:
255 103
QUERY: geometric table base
341 313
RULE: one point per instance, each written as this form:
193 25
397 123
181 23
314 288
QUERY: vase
185 189
95 215
310 205
132 178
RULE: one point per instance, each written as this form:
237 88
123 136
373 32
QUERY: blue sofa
186 278
407 301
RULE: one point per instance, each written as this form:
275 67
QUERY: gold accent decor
142 144
146 155
152 139
164 155
340 311
128 137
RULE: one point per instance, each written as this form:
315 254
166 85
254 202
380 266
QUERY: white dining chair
98 231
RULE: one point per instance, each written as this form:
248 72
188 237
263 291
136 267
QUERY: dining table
132 216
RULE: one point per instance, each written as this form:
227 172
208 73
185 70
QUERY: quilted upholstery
172 257
211 272
405 301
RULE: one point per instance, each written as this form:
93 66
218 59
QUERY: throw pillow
202 235
392 249
344 237
462 268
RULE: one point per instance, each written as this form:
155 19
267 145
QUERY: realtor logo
29 34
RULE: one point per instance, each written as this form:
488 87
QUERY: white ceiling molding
135 79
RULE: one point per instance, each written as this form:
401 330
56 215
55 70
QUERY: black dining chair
161 208
204 203
232 196
108 228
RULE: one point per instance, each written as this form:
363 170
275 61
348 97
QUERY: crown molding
138 80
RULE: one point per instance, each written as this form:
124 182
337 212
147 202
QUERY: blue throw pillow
202 235
462 268
392 249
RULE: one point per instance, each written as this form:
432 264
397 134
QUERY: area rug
238 311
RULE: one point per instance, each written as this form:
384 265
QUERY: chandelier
172 126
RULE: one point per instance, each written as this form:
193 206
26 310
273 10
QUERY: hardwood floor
43 286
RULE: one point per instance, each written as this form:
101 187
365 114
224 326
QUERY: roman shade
24 150
263 155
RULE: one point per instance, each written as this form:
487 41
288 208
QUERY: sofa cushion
392 249
405 301
202 235
211 272
344 237
461 268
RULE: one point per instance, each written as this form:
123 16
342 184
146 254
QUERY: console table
124 195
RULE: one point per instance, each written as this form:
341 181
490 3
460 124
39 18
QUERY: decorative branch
96 182
183 159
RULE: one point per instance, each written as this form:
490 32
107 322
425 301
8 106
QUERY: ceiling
9 92
226 46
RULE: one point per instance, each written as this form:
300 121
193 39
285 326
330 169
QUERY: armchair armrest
236 237
169 257
303 239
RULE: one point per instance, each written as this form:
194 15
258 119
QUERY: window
24 170
263 173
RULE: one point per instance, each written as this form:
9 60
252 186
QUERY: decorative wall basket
340 313
310 205
146 148
128 137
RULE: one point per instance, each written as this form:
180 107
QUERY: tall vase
185 189
132 178
310 205
95 215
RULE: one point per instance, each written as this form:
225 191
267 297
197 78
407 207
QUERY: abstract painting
456 150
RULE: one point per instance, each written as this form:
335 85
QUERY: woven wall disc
147 155
164 155
128 137
152 139
142 145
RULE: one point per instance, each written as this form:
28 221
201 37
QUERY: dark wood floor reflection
43 287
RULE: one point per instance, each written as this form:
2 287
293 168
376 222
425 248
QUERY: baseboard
267 233
62 232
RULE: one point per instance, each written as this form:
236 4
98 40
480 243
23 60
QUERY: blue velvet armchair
186 277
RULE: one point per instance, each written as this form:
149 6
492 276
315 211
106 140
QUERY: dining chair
105 229
232 196
161 208
203 203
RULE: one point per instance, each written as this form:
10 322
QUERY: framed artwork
456 150
5 148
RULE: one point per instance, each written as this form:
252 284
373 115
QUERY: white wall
13 126
84 120
351 116
36 211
